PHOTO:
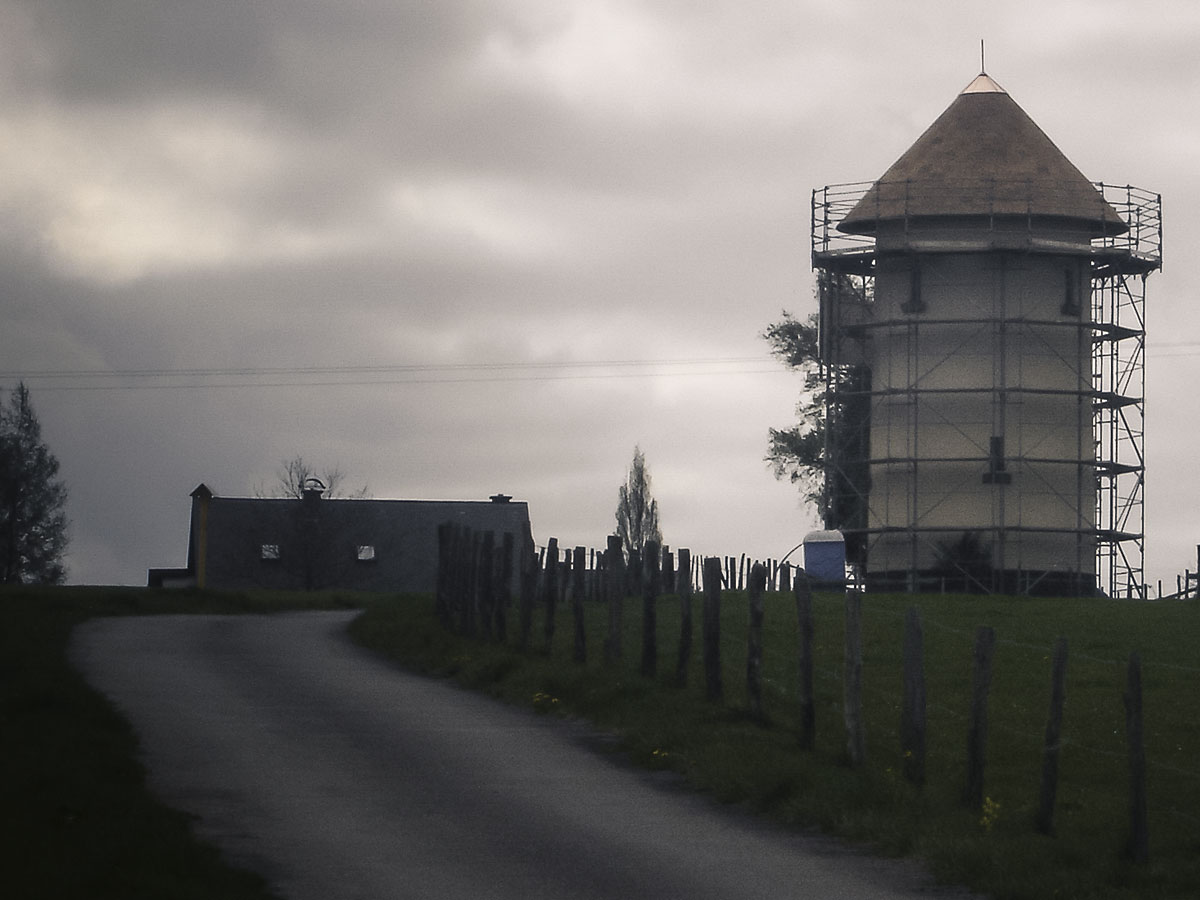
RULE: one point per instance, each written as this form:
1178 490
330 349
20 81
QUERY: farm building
316 543
982 342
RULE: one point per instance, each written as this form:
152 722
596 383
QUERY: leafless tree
294 473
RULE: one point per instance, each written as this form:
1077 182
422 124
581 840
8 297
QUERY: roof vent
500 498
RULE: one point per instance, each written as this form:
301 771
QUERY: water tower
982 340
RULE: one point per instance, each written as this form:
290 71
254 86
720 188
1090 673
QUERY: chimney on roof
311 490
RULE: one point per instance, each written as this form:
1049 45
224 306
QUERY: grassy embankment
76 820
720 750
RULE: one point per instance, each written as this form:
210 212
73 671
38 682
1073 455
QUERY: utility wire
412 367
372 375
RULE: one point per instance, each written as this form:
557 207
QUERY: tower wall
982 455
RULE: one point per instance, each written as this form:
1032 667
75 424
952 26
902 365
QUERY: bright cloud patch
501 217
173 189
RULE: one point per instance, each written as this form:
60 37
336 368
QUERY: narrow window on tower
1070 305
996 473
915 303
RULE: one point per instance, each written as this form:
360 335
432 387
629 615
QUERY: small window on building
269 551
915 303
366 553
996 473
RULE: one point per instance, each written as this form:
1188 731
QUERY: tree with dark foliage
33 523
965 564
797 453
826 452
637 510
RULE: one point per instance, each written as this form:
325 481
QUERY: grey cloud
132 50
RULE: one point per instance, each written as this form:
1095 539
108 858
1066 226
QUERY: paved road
339 776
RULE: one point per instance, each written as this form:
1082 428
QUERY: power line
407 367
375 375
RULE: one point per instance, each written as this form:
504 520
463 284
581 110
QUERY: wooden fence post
487 583
614 571
565 574
475 590
529 578
504 587
856 733
634 574
981 682
465 593
1049 789
1139 834
441 604
754 648
684 587
550 590
577 591
712 628
453 576
912 715
589 576
649 612
804 620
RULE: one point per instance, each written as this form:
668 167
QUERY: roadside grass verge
76 819
719 749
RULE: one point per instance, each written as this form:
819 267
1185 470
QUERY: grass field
77 822
719 749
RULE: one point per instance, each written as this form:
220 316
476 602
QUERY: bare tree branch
294 473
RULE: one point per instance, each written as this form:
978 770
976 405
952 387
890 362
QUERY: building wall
315 545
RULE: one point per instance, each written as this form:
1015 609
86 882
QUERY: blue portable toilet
825 559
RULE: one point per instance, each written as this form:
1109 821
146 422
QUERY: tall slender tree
637 510
33 520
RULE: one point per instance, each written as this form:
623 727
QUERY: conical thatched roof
983 156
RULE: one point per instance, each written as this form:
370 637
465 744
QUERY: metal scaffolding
1108 476
1120 266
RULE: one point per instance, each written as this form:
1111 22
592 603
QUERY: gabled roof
984 156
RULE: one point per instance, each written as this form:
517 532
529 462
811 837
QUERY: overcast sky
470 246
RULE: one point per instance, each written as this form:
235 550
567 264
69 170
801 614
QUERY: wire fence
1097 740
